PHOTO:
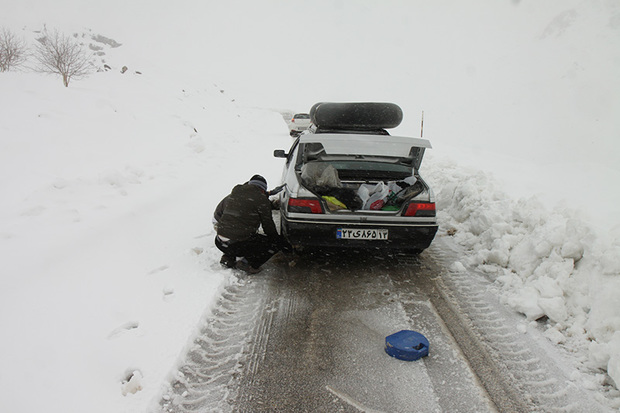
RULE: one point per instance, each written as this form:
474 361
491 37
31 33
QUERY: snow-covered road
307 334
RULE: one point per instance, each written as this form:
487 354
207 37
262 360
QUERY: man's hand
276 190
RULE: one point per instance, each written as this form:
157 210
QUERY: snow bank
551 267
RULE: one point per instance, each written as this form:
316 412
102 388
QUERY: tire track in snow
325 351
229 341
234 340
518 372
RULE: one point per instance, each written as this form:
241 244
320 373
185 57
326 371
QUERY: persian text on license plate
369 234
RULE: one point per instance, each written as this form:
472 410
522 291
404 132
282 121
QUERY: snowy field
108 186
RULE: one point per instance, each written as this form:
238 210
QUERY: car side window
292 151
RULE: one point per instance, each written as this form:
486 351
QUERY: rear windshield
353 169
301 116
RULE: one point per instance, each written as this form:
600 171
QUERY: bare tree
13 50
62 55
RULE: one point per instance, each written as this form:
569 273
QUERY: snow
108 186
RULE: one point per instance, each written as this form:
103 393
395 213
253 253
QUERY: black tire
356 115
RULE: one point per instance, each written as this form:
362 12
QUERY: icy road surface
309 335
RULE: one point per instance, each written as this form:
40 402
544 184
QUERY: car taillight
306 205
420 209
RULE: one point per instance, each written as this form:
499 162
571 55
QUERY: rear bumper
400 237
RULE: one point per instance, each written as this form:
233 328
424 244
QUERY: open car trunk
361 191
361 173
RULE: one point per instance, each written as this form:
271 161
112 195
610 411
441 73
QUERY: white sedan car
299 123
350 184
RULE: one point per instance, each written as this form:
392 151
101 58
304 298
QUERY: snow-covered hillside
108 189
108 186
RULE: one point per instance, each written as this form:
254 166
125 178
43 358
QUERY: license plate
366 234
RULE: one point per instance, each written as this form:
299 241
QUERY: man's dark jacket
241 213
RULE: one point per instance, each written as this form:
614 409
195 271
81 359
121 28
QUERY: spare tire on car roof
356 115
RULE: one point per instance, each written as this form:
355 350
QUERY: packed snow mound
550 266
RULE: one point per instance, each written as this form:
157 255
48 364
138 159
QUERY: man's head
259 181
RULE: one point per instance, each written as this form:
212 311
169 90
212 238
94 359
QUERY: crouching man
238 217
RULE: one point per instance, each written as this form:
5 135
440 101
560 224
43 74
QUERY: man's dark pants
256 250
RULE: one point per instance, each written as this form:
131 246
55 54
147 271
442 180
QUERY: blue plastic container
406 345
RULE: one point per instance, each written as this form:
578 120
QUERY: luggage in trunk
323 180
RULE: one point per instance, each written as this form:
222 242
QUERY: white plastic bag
393 187
363 192
377 196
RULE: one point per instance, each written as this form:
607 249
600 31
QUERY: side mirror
279 153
